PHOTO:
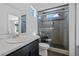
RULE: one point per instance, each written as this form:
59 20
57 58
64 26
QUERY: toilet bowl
43 49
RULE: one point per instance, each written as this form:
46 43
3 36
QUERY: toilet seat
44 45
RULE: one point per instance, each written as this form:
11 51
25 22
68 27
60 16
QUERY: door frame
72 29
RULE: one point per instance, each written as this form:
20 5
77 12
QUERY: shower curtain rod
52 8
55 11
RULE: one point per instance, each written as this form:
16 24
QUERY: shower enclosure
53 24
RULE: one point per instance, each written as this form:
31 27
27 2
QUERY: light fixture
55 15
50 16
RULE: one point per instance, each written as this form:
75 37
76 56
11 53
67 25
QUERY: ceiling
37 6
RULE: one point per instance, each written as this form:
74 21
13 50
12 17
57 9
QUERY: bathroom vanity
31 49
28 47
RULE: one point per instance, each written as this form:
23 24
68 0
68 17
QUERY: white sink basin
17 40
20 39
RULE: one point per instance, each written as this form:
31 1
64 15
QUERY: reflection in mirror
23 23
13 24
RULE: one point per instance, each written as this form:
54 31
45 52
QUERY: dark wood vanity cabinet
31 49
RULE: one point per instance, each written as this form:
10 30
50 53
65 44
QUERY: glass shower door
54 25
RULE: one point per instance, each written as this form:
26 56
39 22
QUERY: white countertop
6 48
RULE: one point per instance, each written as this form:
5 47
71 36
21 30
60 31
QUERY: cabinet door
34 48
35 51
24 51
19 52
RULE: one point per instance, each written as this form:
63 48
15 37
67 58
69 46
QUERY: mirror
16 25
13 24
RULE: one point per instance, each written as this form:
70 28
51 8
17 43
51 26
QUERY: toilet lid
44 45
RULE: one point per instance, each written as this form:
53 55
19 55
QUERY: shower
53 24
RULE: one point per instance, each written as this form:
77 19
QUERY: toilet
43 49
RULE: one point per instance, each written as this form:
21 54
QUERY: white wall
32 25
31 22
4 11
77 29
72 29
77 24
